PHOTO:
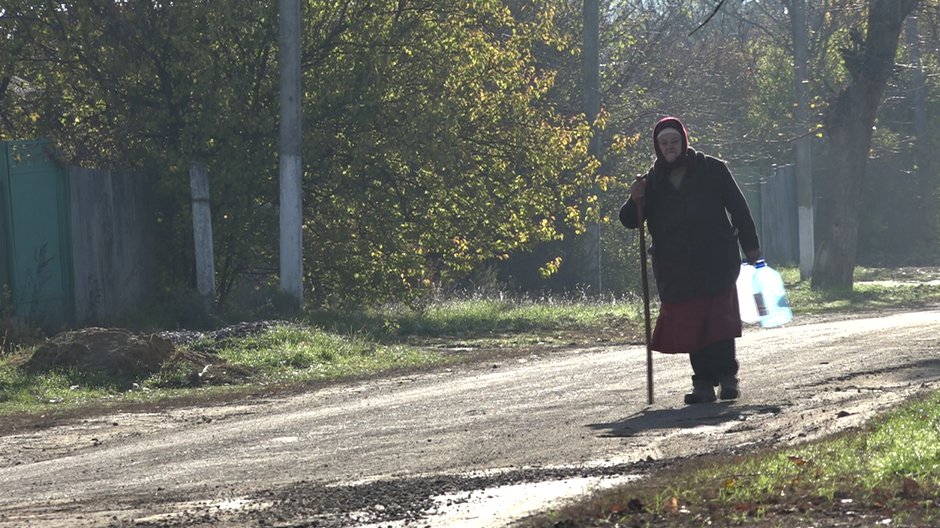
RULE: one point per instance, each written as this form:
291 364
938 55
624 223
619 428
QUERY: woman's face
671 146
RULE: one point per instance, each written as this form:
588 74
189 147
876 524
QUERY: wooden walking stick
646 303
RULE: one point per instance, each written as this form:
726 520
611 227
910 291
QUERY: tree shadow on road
924 370
681 418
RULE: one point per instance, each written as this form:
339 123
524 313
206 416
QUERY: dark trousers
714 362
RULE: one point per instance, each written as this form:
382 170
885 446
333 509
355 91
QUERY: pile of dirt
124 357
111 352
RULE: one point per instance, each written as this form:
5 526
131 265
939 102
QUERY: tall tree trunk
849 125
591 90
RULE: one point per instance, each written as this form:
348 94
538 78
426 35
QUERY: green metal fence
35 241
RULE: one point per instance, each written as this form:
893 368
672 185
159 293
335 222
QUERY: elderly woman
697 216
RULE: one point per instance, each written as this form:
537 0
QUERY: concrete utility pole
202 234
591 85
804 142
290 166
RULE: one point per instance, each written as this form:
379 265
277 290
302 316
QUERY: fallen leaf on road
672 504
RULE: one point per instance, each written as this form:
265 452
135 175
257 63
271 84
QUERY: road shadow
920 371
681 418
923 370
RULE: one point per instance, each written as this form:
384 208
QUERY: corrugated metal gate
36 242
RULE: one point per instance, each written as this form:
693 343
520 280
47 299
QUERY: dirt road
475 446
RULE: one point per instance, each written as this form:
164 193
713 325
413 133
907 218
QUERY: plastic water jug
770 296
746 305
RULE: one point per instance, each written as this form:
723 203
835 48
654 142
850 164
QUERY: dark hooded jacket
695 229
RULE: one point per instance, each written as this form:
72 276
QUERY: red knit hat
674 123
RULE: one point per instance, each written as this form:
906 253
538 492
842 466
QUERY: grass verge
279 356
887 474
874 289
493 322
332 346
299 353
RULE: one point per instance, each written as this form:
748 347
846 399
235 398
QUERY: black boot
729 388
702 392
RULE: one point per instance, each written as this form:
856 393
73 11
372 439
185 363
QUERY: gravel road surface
480 445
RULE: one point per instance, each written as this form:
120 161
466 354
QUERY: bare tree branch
714 12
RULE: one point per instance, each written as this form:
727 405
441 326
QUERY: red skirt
691 325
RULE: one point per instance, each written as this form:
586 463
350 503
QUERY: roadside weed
907 444
289 353
465 317
23 392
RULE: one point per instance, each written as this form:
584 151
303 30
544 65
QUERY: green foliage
454 157
772 106
439 139
152 88
429 146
